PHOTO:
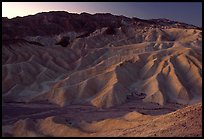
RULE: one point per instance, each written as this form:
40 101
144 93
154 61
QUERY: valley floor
134 118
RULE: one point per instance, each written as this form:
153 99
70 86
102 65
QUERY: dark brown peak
5 18
18 17
135 18
109 15
53 13
122 16
85 16
138 19
168 22
143 22
44 14
104 14
164 19
84 13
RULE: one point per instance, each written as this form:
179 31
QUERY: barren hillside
104 62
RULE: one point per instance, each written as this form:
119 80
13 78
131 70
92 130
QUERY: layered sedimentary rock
103 69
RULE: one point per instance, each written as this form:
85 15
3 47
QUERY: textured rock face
100 75
103 67
56 22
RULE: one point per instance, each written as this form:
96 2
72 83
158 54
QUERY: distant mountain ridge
56 22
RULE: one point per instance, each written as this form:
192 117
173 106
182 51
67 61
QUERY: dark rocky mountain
56 22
